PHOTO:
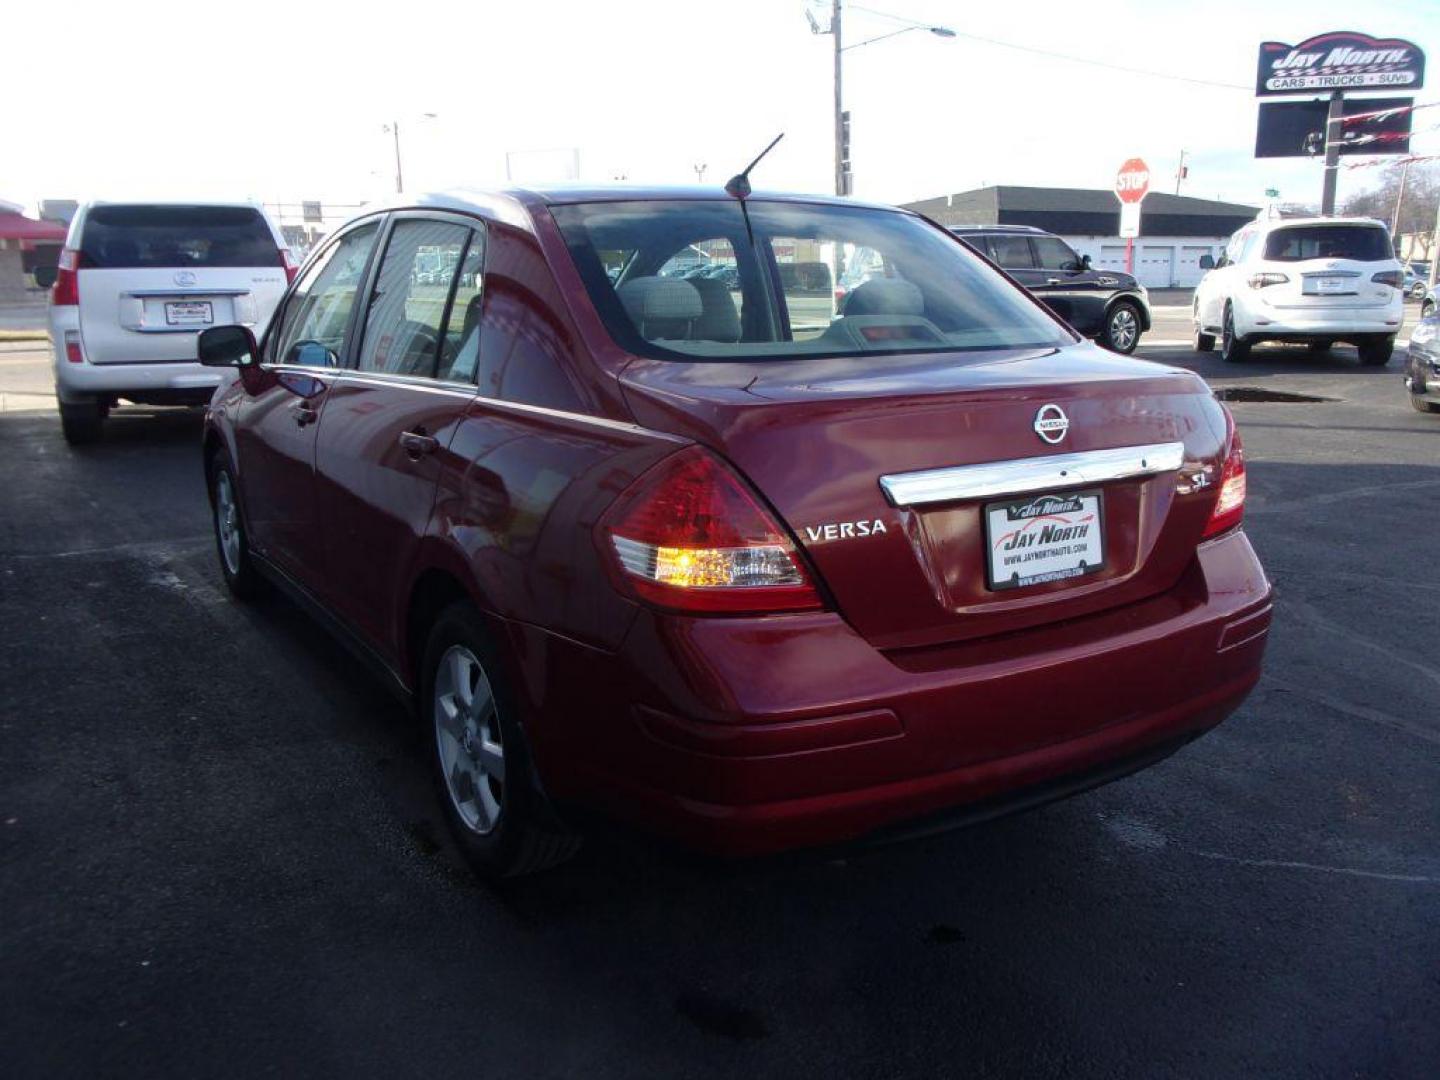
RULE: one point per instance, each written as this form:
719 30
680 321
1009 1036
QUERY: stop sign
1132 182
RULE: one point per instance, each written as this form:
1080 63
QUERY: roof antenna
738 185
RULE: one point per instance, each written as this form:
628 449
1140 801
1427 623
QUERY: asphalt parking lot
220 856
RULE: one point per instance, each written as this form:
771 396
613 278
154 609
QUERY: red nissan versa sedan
649 524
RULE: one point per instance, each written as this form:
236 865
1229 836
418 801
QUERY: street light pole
399 180
394 128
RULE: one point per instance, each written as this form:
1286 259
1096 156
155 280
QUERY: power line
1061 56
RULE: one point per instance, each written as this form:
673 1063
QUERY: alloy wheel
1124 328
227 522
468 740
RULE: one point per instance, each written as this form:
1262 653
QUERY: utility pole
1399 198
699 173
1180 172
840 184
1332 152
399 180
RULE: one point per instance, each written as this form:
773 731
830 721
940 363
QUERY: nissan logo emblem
184 277
1051 423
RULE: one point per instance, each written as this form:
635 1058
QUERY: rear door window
1366 243
406 319
1012 252
126 237
460 348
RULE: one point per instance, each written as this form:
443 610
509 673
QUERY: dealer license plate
189 313
1332 285
1043 538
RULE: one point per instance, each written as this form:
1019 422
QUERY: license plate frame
189 313
1058 510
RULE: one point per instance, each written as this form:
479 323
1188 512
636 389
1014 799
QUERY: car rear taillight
689 536
1394 278
1230 503
1261 281
292 268
73 352
66 290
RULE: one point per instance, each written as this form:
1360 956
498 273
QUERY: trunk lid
140 315
1329 266
816 437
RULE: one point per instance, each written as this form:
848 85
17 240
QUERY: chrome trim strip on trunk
1025 475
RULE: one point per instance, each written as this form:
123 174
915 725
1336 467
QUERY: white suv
136 284
1314 281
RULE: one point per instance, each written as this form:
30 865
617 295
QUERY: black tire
232 541
1427 309
1233 348
1420 404
509 829
1377 351
1121 332
81 423
1204 342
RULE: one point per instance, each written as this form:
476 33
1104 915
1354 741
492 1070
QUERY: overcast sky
282 101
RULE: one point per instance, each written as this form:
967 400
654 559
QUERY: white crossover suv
136 283
1313 281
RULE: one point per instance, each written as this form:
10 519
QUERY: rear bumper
182 382
747 736
1263 320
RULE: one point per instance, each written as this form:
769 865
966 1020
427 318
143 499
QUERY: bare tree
1417 212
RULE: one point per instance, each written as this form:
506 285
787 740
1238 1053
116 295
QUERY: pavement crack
1291 864
1356 712
1142 836
1312 617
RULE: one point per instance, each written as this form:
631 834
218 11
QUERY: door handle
305 414
1052 281
417 443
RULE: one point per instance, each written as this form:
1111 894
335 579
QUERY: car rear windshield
1365 243
167 236
692 280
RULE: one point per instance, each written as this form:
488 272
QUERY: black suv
1106 305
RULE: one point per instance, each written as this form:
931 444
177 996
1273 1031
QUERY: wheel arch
439 580
1142 310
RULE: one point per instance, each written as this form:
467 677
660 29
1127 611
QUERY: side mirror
1084 263
45 276
227 346
1207 262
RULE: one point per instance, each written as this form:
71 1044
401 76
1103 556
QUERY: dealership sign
1339 61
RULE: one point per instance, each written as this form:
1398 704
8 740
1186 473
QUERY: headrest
648 299
719 321
885 296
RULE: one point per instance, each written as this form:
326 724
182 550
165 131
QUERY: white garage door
1187 271
1112 257
1155 266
